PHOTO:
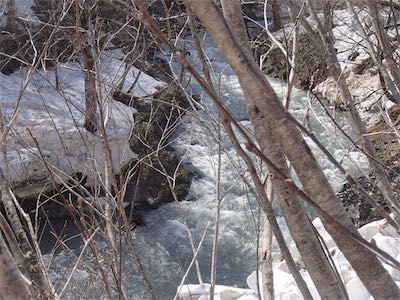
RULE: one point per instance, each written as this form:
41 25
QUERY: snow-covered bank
50 119
379 232
360 72
363 80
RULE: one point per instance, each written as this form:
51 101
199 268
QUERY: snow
23 9
365 88
55 118
284 285
200 292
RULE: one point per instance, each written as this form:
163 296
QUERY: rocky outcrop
359 209
388 150
156 162
310 62
366 89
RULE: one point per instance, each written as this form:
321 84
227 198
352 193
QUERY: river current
163 244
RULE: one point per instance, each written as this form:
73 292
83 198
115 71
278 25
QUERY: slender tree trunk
265 108
276 13
227 121
312 253
11 25
388 82
83 20
384 43
336 71
12 284
90 91
265 261
41 286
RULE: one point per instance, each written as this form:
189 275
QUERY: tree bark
90 91
265 108
276 13
388 82
308 244
12 284
265 261
83 20
384 43
41 286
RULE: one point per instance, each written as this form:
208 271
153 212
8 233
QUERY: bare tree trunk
265 261
12 284
266 265
368 147
41 286
11 25
227 121
276 13
83 20
384 43
299 225
265 108
90 91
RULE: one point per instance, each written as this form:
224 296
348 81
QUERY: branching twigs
394 90
77 263
146 20
213 278
353 182
12 283
192 262
226 121
32 257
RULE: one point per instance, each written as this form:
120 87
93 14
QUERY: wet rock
157 167
310 61
150 188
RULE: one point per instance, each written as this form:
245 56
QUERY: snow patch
23 8
50 120
201 292
284 285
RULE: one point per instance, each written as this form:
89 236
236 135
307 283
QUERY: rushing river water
163 245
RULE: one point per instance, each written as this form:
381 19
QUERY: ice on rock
252 281
369 230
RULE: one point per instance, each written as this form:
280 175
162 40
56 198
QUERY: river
163 244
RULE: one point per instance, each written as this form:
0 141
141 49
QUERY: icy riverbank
285 288
49 122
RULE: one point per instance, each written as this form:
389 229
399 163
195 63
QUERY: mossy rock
155 116
151 185
309 60
152 122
